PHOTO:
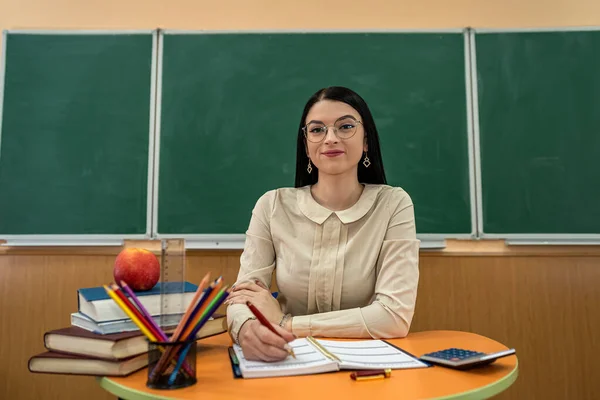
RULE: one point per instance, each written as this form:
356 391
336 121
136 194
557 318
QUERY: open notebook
315 356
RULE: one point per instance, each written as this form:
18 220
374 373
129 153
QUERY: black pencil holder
171 365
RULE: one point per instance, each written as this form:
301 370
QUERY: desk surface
216 381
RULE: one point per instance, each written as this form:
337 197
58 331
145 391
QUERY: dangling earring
309 168
366 161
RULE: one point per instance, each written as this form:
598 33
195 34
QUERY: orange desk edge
216 381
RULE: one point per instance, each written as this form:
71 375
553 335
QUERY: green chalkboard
75 134
231 105
539 113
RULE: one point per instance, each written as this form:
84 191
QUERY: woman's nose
330 136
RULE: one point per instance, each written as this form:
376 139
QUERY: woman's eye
317 130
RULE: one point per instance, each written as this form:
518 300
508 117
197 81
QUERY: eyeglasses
344 128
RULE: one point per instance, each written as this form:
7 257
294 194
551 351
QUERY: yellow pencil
139 324
129 313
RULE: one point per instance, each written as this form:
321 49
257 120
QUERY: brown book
61 363
115 346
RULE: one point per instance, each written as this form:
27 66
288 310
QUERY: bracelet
284 320
237 339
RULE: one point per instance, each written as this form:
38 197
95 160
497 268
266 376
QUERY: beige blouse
350 273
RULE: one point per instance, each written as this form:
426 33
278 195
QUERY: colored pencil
188 313
167 355
143 311
142 327
197 314
209 293
130 314
209 311
138 313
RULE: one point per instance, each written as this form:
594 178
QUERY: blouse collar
318 214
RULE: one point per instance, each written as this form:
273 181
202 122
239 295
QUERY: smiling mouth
333 153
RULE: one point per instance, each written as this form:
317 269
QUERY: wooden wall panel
545 303
548 308
38 293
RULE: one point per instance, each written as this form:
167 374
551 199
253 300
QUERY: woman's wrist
284 320
287 324
237 339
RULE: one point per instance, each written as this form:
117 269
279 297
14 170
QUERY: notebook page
308 361
370 354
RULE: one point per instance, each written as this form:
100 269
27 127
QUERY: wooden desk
216 381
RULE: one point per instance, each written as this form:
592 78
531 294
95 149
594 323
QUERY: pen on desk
371 374
266 323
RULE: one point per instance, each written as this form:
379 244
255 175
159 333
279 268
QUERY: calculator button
454 354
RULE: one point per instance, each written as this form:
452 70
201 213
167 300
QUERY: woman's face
334 153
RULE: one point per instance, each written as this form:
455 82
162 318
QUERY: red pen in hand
266 323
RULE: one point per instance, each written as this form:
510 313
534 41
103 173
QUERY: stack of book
97 312
103 341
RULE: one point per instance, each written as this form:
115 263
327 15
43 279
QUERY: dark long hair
375 173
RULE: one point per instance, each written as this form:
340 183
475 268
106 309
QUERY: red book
69 364
114 346
78 341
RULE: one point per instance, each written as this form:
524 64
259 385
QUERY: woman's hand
259 343
258 295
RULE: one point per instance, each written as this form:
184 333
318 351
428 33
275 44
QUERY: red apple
138 268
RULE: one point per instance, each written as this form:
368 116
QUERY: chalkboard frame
236 241
88 239
515 238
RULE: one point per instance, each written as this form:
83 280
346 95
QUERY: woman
343 242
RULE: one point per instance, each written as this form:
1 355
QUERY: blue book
95 303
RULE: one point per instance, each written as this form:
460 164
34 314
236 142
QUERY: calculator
463 359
